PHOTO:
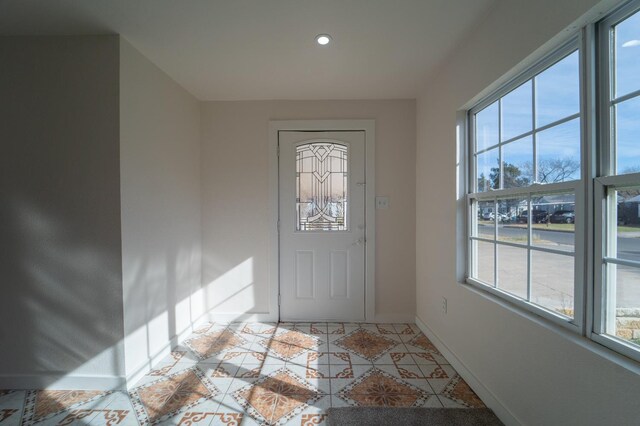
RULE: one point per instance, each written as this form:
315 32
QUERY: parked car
487 216
503 217
539 216
563 216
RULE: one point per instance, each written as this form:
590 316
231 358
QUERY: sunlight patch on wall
233 291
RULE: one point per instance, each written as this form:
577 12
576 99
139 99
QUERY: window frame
592 224
605 181
570 46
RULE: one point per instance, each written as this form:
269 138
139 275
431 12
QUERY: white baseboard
478 387
141 370
62 382
266 317
239 317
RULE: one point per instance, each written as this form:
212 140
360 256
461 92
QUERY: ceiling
265 49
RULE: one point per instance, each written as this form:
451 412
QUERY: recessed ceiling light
323 39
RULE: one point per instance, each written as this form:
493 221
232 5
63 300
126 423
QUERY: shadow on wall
171 311
62 304
163 300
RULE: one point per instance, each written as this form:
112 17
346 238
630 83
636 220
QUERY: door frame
368 126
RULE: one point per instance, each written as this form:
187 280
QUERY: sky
557 96
627 80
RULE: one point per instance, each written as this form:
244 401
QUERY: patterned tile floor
265 374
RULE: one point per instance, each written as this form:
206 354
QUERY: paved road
628 247
552 275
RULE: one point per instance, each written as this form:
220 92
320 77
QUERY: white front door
322 225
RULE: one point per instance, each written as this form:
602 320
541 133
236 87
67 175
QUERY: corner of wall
160 211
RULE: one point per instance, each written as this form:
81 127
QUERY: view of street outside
527 170
552 275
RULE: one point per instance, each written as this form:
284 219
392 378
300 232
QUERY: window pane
517 158
558 91
552 282
484 262
624 243
627 55
627 137
487 170
622 286
517 110
512 270
624 313
554 224
487 127
486 220
508 229
511 153
321 187
559 153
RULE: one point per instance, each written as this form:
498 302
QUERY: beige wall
60 259
538 375
235 185
160 196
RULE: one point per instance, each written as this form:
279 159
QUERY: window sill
568 331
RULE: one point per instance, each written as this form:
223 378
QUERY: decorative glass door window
321 186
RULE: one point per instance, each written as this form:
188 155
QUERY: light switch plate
382 203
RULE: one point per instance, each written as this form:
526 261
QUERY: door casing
368 126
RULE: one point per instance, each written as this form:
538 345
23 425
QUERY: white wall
160 187
100 229
235 194
537 374
60 259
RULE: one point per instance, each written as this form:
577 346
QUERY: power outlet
444 305
382 203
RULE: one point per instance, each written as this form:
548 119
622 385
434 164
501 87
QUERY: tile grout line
393 332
